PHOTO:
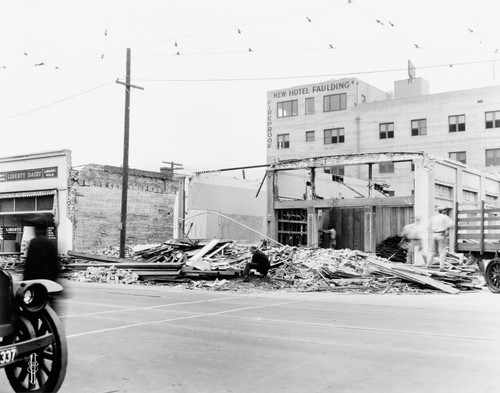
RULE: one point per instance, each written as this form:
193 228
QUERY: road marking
141 308
177 319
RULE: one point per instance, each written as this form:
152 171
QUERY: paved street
150 339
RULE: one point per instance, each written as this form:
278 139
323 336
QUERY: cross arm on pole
128 85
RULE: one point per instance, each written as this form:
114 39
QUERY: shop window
456 123
334 135
309 136
419 127
493 157
25 204
7 205
386 167
335 102
309 105
45 202
288 108
283 141
460 156
492 119
386 130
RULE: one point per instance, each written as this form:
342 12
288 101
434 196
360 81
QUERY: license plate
8 355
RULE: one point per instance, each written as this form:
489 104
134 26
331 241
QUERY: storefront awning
27 194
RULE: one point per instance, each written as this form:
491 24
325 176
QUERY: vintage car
33 349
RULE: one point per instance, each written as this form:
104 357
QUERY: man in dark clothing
42 263
259 262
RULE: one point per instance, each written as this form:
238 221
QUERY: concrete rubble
218 264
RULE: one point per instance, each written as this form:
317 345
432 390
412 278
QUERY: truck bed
477 230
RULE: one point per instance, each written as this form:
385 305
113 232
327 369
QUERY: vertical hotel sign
29 174
269 124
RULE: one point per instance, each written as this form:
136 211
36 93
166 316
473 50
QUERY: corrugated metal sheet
27 194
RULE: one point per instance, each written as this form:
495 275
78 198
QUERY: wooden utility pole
123 226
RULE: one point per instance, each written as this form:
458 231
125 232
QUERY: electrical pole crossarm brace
129 85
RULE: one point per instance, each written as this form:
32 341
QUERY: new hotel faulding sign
332 87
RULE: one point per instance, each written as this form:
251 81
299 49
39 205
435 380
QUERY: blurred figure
440 225
42 263
414 234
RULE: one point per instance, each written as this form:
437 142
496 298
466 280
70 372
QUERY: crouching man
259 262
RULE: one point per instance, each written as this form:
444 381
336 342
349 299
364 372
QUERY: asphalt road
158 339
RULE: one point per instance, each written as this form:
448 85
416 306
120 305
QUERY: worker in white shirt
440 224
414 234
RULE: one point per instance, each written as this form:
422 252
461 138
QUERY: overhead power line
316 76
56 102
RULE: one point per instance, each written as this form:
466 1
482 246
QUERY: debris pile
217 264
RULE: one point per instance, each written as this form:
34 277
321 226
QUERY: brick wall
97 209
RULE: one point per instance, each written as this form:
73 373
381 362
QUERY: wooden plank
96 257
415 277
205 249
131 265
219 250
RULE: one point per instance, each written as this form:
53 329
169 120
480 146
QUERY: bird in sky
40 64
331 46
239 31
106 32
308 19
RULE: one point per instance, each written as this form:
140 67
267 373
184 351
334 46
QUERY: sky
206 68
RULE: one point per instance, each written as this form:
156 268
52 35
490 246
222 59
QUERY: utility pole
123 226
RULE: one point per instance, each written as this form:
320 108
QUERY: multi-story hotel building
347 154
349 116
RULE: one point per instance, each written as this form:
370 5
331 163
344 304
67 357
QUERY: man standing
440 224
259 262
331 235
414 233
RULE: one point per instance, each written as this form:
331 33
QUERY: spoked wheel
492 276
43 370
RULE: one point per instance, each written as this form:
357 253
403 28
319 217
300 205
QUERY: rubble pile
109 275
217 265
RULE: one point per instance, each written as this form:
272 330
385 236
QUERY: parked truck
477 234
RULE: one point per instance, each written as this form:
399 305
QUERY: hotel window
309 136
283 141
386 167
419 127
386 130
456 123
460 156
334 135
310 106
337 172
443 191
288 108
492 119
469 196
493 157
335 102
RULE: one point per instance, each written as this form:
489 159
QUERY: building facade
348 116
80 208
346 154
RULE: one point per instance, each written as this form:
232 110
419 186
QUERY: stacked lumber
215 263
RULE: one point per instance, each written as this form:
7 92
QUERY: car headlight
32 297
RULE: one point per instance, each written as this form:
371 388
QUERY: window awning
27 194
